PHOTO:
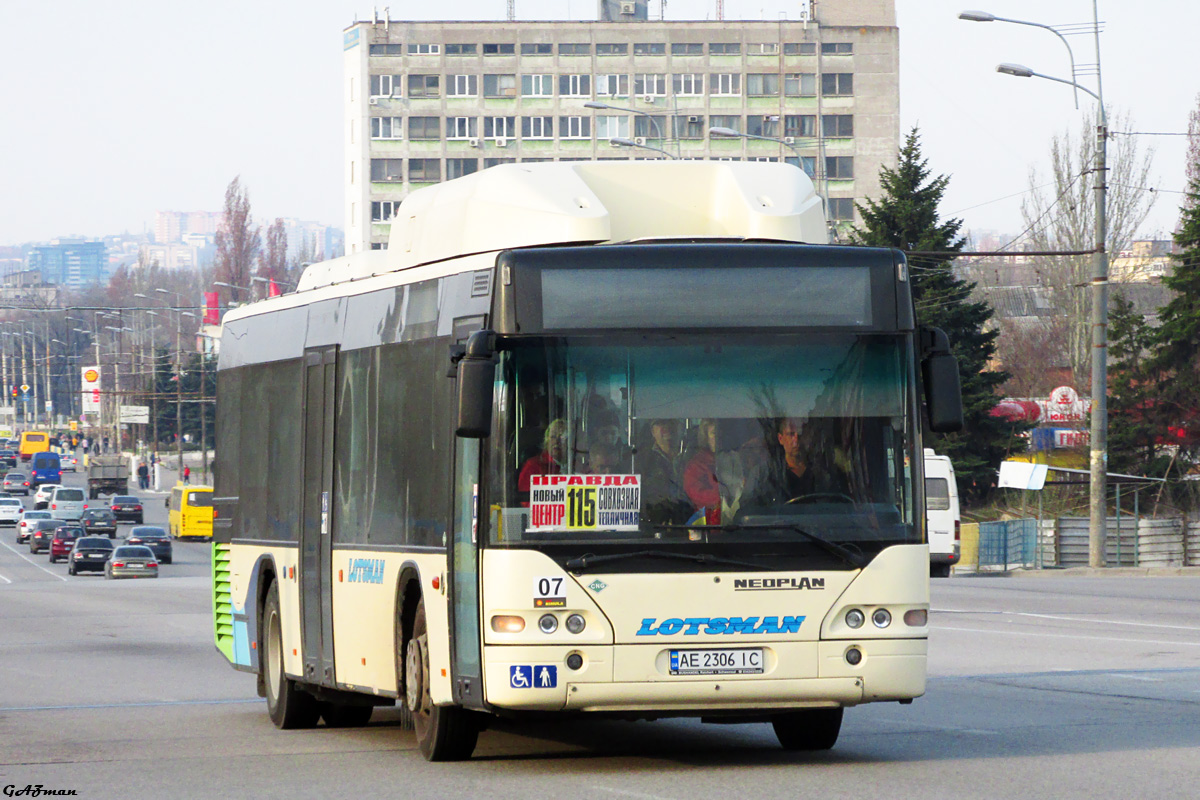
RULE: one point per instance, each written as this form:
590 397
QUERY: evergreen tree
1136 427
906 217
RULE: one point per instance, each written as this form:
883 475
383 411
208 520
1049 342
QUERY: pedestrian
187 474
143 476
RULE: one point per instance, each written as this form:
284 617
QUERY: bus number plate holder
717 661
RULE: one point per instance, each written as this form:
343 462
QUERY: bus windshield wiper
833 548
587 560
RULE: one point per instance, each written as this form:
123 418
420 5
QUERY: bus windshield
738 444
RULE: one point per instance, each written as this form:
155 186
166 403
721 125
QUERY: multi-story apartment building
70 262
431 101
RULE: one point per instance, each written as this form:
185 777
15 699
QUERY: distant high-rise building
430 101
70 262
171 226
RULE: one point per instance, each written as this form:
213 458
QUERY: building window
575 49
537 49
499 127
424 86
537 127
424 49
422 170
836 48
387 127
731 121
763 49
800 126
385 86
724 49
379 245
574 127
575 85
424 127
499 85
649 48
462 127
506 49
382 210
649 84
495 162
837 84
537 85
387 49
612 85
651 127
387 170
725 83
612 126
687 48
462 85
763 125
841 208
457 167
690 126
806 163
688 84
800 84
800 49
837 126
460 49
762 85
612 49
840 168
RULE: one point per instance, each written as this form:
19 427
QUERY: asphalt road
1040 687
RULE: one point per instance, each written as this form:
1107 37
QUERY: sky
115 110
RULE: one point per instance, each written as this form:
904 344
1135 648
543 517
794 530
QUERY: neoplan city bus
588 438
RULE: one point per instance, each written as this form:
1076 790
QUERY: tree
1030 350
238 241
274 263
1136 424
906 216
1062 216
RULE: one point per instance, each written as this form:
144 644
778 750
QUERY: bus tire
444 733
811 729
345 715
288 705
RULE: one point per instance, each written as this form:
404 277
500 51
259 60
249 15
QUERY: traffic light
15 391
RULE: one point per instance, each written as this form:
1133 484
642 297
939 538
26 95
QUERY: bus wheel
288 705
812 729
345 715
444 733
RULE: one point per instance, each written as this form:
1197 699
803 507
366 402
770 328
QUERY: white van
941 514
67 504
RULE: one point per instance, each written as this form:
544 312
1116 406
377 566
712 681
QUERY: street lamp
620 141
1097 527
984 16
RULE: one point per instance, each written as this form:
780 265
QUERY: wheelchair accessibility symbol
527 676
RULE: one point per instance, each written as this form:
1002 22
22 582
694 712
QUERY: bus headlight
576 623
508 623
882 618
548 623
855 618
916 618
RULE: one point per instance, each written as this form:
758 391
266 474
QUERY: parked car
67 503
41 498
42 534
11 510
127 508
154 537
90 553
132 561
8 458
97 521
15 482
28 522
64 539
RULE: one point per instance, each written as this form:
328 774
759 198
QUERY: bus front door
464 567
316 550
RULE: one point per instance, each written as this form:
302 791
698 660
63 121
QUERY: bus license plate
744 661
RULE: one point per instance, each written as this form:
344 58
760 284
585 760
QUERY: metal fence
1009 543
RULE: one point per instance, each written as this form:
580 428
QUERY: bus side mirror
476 384
943 392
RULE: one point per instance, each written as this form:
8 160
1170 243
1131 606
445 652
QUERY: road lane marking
6 580
1066 636
627 793
31 561
1068 619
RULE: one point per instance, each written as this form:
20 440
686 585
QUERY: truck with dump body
107 474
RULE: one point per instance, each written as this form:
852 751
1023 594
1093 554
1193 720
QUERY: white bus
598 438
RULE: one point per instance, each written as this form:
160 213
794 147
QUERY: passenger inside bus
551 461
662 485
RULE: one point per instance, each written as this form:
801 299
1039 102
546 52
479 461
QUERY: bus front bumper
633 678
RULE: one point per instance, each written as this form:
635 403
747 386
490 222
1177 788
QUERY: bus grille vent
222 600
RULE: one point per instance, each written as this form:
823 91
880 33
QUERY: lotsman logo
713 626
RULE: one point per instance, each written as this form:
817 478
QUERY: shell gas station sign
90 386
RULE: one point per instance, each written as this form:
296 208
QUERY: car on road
132 561
70 463
154 537
15 482
41 498
42 534
127 508
67 503
90 553
11 510
8 458
64 539
28 522
97 521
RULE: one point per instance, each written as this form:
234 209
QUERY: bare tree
274 262
1032 351
1193 154
238 241
1062 217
